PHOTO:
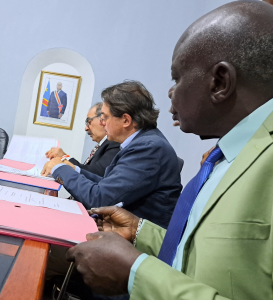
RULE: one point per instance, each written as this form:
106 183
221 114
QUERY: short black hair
133 98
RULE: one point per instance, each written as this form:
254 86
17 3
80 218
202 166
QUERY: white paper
29 149
36 199
33 172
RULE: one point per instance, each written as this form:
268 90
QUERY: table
23 266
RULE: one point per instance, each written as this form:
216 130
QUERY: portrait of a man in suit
57 102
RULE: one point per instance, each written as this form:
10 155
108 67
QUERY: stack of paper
33 172
28 149
26 157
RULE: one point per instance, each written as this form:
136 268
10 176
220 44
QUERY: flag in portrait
45 101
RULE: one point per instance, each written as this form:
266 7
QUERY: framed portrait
57 100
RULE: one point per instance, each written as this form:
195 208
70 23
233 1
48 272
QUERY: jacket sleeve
155 280
100 165
64 103
150 238
134 176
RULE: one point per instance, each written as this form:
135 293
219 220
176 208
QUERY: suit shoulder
111 144
153 137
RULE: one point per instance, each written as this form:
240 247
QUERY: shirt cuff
78 169
133 271
56 167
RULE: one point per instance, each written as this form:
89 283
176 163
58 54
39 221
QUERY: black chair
4 140
180 163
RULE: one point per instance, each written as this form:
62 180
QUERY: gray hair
98 106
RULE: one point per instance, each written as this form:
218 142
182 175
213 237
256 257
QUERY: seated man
102 154
144 175
218 245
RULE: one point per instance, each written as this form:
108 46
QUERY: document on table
34 172
36 199
29 149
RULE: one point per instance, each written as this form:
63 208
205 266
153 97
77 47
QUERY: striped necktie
183 207
92 154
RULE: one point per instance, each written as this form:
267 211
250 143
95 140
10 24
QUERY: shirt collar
103 140
129 140
234 141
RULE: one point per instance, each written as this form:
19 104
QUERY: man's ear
223 82
127 120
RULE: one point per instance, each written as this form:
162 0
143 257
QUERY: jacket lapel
253 149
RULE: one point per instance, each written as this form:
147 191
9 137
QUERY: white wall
119 39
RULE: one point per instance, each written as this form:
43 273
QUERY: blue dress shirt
231 145
129 139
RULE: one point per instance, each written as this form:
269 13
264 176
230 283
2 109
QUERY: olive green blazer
229 253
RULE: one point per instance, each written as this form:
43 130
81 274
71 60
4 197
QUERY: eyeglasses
89 120
103 119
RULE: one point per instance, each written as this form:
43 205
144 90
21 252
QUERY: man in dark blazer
57 103
144 175
102 154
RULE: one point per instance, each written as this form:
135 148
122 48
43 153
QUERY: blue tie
183 207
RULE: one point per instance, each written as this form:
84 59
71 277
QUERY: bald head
239 33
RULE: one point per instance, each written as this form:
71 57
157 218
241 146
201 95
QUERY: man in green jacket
223 71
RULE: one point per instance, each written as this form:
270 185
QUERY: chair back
4 140
180 163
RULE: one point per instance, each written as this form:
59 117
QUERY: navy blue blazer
101 159
52 107
144 175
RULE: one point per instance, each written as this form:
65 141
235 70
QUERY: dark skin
119 228
208 99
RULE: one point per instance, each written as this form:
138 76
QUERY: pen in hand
120 204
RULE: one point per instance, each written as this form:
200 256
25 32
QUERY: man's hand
67 162
104 262
55 152
117 220
49 166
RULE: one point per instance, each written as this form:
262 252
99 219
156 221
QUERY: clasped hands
54 154
105 260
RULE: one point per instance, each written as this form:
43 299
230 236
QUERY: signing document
33 172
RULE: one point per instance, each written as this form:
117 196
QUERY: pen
120 204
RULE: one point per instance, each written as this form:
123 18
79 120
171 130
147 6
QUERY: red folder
46 184
44 224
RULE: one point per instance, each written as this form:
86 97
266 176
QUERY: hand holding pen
120 204
115 219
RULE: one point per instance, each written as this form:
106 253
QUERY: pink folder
44 224
46 184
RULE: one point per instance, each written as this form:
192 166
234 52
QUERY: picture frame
57 100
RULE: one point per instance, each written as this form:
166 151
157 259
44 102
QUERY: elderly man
102 154
57 102
219 242
144 175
